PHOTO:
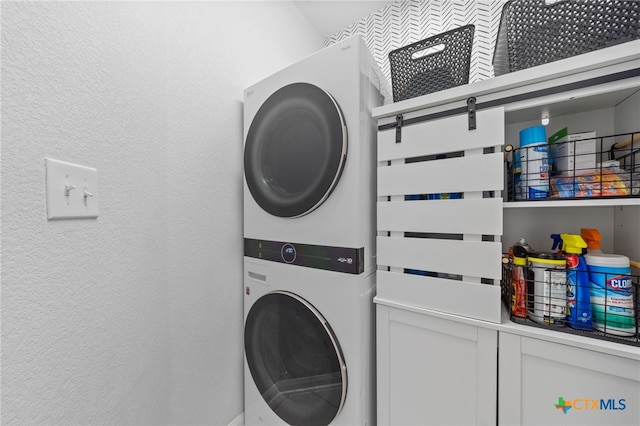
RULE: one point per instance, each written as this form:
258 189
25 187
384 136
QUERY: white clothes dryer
309 346
309 161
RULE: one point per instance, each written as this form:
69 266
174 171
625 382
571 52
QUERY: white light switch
72 190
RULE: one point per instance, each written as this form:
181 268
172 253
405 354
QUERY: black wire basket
433 64
549 308
535 32
608 168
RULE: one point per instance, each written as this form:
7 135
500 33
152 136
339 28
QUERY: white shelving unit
449 307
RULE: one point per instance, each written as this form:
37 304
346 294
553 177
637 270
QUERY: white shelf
613 59
506 325
589 202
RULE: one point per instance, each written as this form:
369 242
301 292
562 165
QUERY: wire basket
546 303
535 32
433 64
598 167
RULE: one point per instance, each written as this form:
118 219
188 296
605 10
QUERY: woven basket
535 32
433 64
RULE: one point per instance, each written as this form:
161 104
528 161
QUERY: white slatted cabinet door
456 241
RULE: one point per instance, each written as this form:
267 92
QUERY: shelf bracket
399 119
471 111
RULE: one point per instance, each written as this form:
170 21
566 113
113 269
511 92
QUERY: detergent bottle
592 237
578 287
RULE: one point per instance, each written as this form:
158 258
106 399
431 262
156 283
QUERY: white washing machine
309 237
309 346
309 161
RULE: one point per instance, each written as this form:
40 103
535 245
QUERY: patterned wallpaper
407 21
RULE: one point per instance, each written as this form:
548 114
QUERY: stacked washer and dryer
309 240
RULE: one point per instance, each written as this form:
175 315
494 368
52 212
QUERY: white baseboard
238 421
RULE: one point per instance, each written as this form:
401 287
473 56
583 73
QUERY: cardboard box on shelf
573 154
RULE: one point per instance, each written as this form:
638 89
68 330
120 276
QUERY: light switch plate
72 190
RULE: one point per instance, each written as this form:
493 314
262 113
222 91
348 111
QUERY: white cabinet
433 370
442 224
594 382
545 382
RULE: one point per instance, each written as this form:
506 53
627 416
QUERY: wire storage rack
433 64
546 303
596 168
535 32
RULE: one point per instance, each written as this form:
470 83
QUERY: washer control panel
288 253
340 259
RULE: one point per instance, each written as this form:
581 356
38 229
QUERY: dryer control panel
338 259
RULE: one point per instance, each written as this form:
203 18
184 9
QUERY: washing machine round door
295 150
295 359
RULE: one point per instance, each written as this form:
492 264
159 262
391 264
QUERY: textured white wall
136 317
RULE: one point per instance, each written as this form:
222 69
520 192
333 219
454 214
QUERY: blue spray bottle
578 288
557 243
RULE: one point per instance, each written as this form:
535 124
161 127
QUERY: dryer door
295 150
295 359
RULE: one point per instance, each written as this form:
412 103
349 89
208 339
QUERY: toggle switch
65 200
87 194
67 191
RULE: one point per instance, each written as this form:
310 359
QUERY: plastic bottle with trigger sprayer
592 237
557 243
579 314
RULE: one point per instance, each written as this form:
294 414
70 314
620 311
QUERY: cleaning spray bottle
557 243
592 237
578 287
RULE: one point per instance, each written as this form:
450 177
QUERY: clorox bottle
612 294
578 288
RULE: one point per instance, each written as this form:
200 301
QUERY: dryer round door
295 360
295 150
